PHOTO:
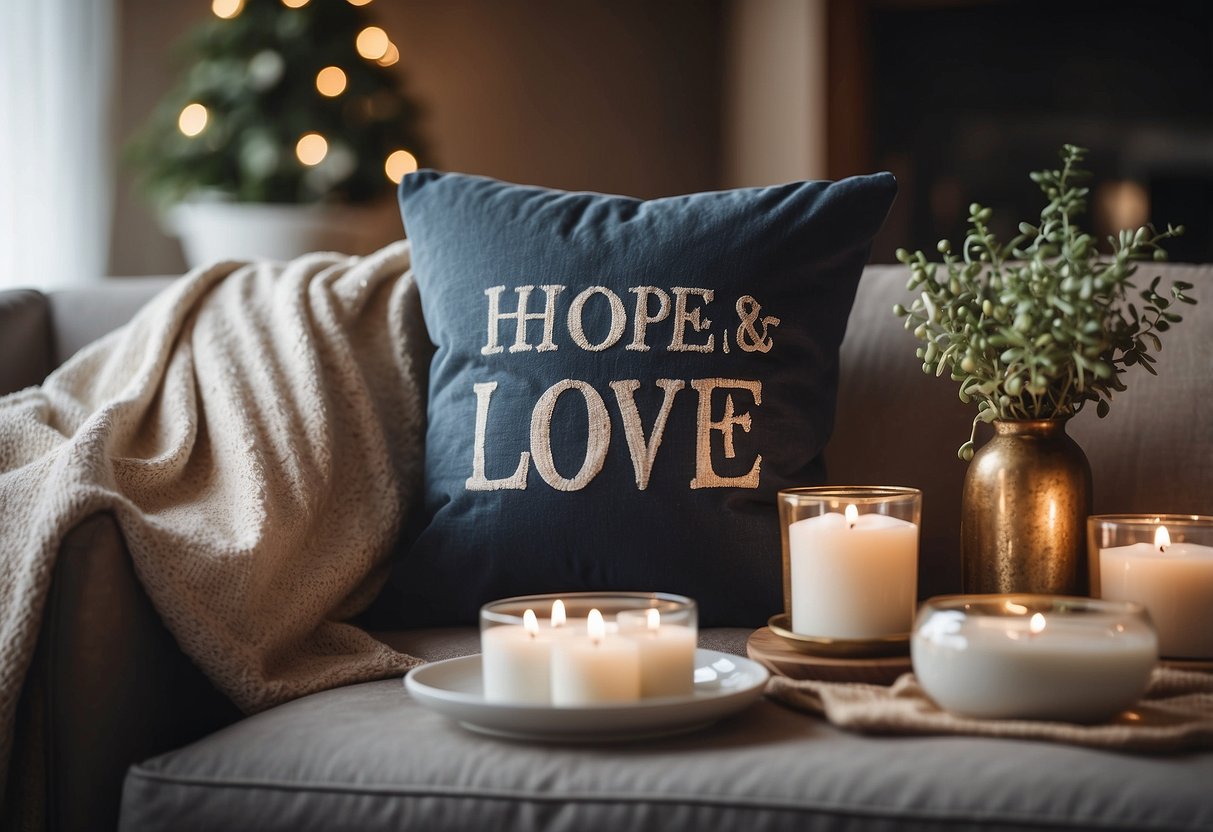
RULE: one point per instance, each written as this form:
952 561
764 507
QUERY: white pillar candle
853 576
595 668
1174 582
1055 667
516 662
667 655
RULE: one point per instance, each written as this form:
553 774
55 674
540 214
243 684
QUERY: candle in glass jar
666 652
853 576
1174 581
595 668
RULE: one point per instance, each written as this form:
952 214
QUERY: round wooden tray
777 656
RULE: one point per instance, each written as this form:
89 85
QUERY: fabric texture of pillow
620 387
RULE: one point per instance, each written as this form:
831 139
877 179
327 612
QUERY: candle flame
1162 538
558 617
852 515
1017 609
595 627
530 623
1036 624
652 619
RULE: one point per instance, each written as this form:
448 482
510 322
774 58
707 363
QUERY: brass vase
1027 495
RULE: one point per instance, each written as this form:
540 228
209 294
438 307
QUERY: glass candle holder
588 648
1033 656
1165 563
850 560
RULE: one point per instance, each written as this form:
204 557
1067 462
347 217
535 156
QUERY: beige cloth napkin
1176 713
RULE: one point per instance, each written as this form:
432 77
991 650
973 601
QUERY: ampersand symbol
748 337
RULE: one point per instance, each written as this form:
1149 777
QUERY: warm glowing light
558 617
1036 624
295 4
311 148
1162 539
226 9
330 81
390 57
530 623
359 2
595 627
192 120
1015 609
852 514
398 164
1122 204
372 43
652 619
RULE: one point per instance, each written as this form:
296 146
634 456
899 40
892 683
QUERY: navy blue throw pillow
620 387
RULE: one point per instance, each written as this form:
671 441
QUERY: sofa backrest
894 426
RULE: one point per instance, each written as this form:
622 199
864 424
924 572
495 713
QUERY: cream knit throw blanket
255 430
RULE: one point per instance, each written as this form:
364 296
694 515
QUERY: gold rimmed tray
894 645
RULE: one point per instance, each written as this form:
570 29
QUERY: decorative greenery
1038 327
255 67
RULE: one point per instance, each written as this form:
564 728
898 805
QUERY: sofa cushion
368 757
620 387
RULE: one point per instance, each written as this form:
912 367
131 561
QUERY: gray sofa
116 726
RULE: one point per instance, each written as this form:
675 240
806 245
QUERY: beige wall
774 126
622 96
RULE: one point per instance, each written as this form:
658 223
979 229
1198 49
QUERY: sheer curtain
56 165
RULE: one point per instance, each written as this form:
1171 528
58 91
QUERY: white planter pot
211 231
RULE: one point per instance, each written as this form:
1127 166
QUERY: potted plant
285 133
1032 331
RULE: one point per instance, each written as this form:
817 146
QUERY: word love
643 450
652 305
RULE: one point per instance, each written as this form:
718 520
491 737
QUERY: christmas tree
282 101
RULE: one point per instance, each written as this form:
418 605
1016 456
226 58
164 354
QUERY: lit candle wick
652 620
530 623
1162 538
595 627
852 515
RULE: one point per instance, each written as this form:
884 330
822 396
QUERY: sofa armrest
110 686
25 339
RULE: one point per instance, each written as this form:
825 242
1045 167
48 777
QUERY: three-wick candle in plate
585 649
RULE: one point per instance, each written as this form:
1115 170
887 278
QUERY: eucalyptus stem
1038 327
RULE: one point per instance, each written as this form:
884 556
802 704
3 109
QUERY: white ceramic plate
724 684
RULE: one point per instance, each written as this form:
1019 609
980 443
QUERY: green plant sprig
1037 327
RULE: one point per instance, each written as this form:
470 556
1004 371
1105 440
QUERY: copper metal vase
1027 495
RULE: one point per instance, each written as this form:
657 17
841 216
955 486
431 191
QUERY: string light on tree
226 9
311 148
372 43
331 81
398 164
390 57
192 120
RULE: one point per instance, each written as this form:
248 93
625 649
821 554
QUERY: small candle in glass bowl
666 635
595 668
850 559
1033 656
1165 563
516 650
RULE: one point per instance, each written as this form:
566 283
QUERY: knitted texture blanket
256 432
